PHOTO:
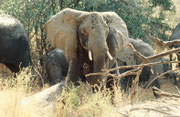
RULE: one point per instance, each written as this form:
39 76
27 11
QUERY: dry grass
76 102
80 102
11 93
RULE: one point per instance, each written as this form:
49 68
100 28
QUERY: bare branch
163 93
162 54
165 43
134 109
141 65
136 52
177 89
136 81
161 76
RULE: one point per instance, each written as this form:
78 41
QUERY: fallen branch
165 43
177 89
127 73
163 93
136 81
141 65
165 113
162 54
161 76
142 57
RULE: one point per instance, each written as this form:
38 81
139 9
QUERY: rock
44 101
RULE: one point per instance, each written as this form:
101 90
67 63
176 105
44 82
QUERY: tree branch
163 93
165 43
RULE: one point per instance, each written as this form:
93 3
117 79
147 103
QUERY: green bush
143 17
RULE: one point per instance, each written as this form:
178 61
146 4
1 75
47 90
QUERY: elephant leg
178 56
73 72
156 84
170 58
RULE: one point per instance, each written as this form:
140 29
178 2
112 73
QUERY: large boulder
45 101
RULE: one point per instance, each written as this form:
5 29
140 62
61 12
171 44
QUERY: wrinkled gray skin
130 58
174 36
166 67
56 66
87 32
14 44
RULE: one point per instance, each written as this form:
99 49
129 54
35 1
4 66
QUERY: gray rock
45 101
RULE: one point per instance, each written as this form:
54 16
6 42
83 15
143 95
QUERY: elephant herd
85 42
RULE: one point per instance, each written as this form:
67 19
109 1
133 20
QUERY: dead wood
142 57
165 43
141 65
163 93
161 76
135 82
148 59
137 71
151 109
177 89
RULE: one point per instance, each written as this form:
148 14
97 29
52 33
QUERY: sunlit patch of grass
12 90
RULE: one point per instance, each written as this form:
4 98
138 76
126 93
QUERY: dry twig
177 89
161 76
141 65
134 109
142 57
165 43
163 93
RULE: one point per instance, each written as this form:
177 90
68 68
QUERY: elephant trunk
98 55
98 65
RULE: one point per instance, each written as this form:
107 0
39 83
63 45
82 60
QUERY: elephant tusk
90 55
109 55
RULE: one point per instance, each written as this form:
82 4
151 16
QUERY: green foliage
138 14
164 4
143 17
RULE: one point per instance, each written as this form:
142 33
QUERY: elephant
127 57
14 44
166 67
83 37
174 36
56 66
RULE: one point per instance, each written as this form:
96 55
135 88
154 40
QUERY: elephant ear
61 31
119 26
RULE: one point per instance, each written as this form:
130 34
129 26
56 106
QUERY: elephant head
83 37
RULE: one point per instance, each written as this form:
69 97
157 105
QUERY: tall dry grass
81 102
76 102
12 90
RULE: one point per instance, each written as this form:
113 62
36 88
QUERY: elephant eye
84 39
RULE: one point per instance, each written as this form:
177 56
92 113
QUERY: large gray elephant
174 36
83 37
14 44
127 57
